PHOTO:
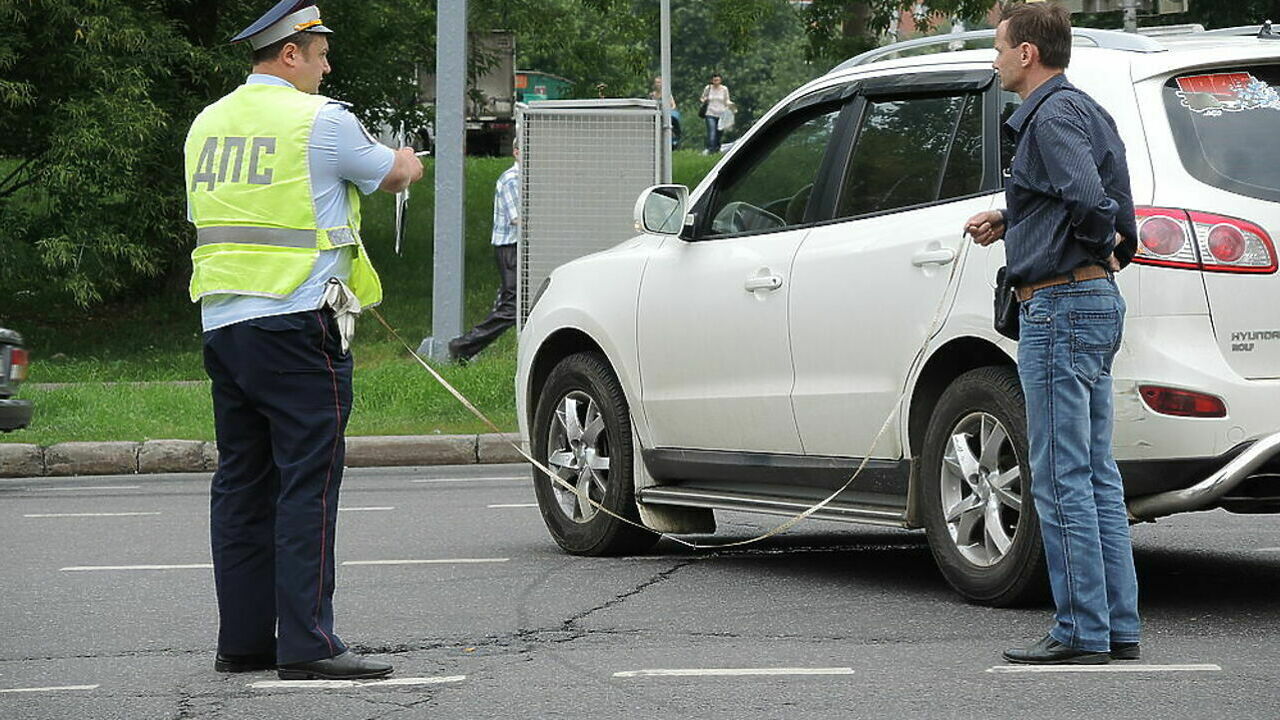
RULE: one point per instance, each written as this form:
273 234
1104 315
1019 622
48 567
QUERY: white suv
745 350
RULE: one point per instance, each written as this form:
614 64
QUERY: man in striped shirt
1069 225
506 231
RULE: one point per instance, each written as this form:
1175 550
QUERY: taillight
1226 243
1171 237
1162 235
1164 238
18 361
1182 403
1230 244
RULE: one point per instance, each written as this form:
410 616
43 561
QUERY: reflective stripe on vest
278 237
249 191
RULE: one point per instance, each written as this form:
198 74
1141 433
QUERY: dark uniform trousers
503 314
281 399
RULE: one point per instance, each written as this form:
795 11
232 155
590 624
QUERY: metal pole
1131 16
666 90
448 274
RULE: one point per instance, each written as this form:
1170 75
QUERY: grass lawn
158 339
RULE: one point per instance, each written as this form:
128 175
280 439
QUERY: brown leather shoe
1051 652
347 666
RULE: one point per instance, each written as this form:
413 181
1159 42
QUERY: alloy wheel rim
578 452
981 488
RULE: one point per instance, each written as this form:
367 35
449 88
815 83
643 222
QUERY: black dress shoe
1125 651
243 663
347 666
1051 652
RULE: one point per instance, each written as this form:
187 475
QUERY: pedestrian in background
656 94
506 233
716 97
1068 226
279 268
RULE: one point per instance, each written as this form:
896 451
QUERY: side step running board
721 500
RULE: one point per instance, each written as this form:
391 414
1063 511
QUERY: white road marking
88 487
82 515
1274 549
49 689
438 561
364 509
1112 667
420 680
89 568
690 672
326 684
514 505
470 479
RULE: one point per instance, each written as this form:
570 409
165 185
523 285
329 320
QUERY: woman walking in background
716 97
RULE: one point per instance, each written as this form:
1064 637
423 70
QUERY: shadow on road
1199 581
1171 579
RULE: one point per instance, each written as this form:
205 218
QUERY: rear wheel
976 487
582 431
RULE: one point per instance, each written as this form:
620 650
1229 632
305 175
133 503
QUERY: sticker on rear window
1212 95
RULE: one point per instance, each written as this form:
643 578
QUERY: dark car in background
14 413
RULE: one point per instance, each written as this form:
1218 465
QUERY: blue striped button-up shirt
1068 191
506 207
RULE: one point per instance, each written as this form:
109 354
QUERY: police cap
286 18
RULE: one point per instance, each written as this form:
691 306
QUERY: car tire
582 430
976 500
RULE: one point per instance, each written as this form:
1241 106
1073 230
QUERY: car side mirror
661 209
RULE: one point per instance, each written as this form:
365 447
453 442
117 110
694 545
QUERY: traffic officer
274 174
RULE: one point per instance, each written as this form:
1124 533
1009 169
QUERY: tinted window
1224 124
901 155
773 191
964 171
1009 102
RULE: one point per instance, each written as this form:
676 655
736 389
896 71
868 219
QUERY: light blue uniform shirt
340 152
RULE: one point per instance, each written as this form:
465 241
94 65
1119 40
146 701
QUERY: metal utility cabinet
583 164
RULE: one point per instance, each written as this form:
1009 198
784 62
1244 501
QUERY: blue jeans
1070 335
713 133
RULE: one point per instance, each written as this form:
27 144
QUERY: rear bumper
14 414
1242 464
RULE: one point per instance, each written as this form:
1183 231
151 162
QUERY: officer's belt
277 237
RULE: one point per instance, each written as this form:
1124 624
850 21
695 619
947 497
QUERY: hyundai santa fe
744 351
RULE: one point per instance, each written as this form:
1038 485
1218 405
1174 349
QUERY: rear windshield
1225 124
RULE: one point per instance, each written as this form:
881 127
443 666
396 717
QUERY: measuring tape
789 523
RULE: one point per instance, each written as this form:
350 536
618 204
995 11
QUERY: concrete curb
178 456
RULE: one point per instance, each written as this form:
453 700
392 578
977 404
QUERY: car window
964 171
1224 124
773 191
1009 103
901 156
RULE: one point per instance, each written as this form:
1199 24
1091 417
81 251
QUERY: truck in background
491 93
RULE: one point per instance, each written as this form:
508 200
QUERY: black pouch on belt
1006 305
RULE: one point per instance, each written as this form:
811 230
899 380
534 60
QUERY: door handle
940 256
763 282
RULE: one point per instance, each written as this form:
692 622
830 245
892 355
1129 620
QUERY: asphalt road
507 626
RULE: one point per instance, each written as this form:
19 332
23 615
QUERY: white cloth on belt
346 306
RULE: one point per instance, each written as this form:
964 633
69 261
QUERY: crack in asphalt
624 596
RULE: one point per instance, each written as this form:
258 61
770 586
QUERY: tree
95 99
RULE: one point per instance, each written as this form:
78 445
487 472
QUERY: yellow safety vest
249 187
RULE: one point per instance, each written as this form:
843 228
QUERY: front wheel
582 431
976 491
